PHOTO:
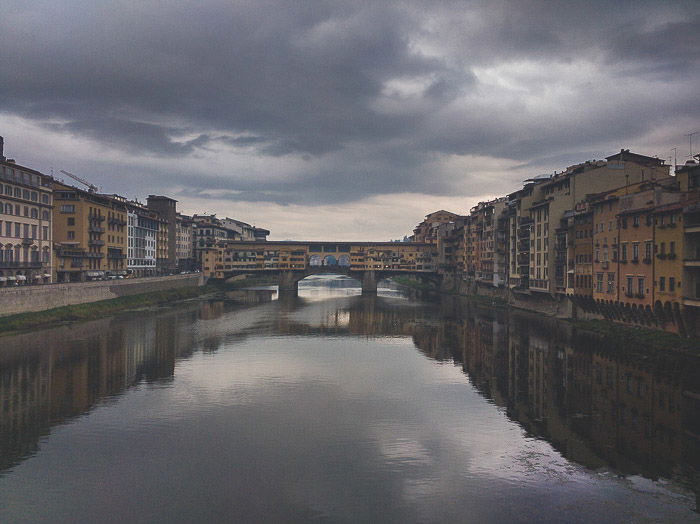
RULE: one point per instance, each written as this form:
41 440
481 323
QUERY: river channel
333 407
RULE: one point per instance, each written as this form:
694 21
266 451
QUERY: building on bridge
366 261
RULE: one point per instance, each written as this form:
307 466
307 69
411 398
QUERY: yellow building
668 266
224 257
89 234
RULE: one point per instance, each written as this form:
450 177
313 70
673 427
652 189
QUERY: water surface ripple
334 407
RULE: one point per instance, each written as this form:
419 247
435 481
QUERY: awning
21 277
37 276
95 273
11 278
46 275
3 279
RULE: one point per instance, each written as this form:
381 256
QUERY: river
333 407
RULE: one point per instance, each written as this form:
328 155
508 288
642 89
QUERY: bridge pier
369 283
288 284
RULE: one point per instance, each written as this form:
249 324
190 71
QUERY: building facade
89 233
26 215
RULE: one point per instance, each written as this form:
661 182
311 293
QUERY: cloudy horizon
335 119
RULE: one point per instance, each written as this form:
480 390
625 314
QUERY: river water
333 407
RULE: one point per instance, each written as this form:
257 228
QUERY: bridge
289 262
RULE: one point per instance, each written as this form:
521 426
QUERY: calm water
338 408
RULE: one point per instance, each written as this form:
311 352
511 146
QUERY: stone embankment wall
23 299
559 306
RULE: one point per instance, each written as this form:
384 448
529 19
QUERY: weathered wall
23 299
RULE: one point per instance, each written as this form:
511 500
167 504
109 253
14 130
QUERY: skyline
324 120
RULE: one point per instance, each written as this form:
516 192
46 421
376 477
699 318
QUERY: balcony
97 218
64 253
19 265
96 242
96 229
116 222
691 301
93 254
116 256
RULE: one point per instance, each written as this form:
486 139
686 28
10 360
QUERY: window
647 250
630 285
71 235
599 282
671 283
67 208
44 199
35 213
611 283
45 233
71 221
662 283
635 221
624 251
635 251
640 286
672 248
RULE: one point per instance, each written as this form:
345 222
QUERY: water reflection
602 407
51 376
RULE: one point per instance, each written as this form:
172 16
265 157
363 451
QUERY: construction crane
92 188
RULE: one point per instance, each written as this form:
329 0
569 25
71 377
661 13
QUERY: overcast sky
341 119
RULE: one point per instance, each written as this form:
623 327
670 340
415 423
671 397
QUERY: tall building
184 243
89 234
25 224
142 239
166 208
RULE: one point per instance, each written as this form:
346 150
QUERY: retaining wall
23 299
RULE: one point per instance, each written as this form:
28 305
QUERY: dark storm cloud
369 94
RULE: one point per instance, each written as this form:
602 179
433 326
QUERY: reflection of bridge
289 262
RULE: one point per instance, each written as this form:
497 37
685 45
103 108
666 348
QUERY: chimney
2 146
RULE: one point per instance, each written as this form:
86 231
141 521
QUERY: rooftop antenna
690 142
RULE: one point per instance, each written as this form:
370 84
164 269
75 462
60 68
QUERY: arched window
35 213
315 260
330 260
344 260
9 254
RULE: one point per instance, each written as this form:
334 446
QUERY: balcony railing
4 264
94 242
96 229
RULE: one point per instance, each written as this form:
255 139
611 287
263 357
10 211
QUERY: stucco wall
23 299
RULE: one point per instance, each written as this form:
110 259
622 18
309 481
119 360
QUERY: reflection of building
50 376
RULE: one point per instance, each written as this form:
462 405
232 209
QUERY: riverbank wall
26 299
578 308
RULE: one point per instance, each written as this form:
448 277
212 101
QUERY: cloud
327 102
